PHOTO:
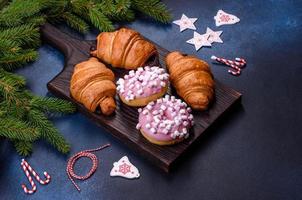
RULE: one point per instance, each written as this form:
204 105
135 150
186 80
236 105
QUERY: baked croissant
124 48
192 79
92 84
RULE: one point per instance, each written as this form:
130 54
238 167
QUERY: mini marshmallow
155 112
153 130
184 117
162 125
165 131
140 91
163 107
138 126
185 123
159 100
149 106
145 112
148 126
139 110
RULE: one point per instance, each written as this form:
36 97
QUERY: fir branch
3 3
153 8
10 84
13 61
99 20
48 131
120 11
36 20
16 81
52 105
75 22
17 130
81 7
8 46
24 35
17 10
24 148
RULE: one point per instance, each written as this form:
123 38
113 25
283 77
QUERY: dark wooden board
122 123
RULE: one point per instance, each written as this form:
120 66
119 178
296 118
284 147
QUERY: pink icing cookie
140 87
165 121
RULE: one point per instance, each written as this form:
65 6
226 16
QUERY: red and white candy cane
74 158
237 65
28 169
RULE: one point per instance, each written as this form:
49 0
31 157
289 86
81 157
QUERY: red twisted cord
74 158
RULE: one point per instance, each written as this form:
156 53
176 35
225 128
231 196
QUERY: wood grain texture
122 123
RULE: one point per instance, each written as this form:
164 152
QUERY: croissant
192 79
92 84
124 48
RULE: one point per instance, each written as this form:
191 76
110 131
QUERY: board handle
62 41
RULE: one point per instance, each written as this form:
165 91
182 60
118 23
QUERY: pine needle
99 20
154 9
17 130
75 22
48 131
24 148
24 35
14 61
52 105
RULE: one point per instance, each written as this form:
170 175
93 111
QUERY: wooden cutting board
122 123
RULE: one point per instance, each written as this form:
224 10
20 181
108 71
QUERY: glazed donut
165 121
142 86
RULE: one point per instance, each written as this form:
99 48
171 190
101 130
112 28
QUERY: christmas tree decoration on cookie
200 40
124 168
214 36
223 18
185 23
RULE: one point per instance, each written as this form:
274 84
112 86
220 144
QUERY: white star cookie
214 36
199 40
124 168
185 23
223 18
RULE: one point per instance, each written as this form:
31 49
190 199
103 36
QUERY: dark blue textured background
253 152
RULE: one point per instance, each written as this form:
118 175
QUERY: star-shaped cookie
185 23
214 36
199 40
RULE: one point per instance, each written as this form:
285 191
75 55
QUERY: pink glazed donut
165 121
142 86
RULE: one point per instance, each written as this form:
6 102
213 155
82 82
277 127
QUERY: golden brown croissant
192 79
124 48
92 84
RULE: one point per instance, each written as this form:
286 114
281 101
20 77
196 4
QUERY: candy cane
27 168
74 158
237 64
